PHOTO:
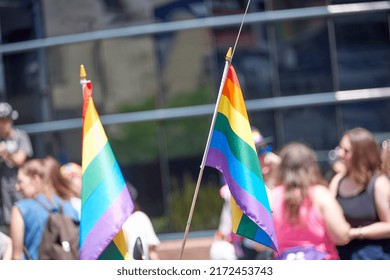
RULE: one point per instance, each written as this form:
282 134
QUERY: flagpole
239 31
225 71
228 58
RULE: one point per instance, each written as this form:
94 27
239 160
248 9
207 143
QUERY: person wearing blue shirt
41 183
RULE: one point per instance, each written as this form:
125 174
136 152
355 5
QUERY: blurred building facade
309 70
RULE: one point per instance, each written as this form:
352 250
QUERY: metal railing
264 104
209 22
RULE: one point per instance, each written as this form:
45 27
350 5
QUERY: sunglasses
264 150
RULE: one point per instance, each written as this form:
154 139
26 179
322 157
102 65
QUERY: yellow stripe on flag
98 139
236 214
237 122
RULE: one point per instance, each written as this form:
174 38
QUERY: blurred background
309 70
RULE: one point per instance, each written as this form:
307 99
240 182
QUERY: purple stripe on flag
103 232
247 203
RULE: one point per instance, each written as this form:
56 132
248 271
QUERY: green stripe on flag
247 227
240 149
96 170
111 253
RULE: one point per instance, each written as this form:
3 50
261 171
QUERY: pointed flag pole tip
228 56
83 74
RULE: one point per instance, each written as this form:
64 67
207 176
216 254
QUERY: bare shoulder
382 180
320 191
321 196
382 184
382 197
325 201
334 183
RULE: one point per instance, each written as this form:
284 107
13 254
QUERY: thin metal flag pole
229 57
239 31
204 155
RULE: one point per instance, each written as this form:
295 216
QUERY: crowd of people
33 187
345 216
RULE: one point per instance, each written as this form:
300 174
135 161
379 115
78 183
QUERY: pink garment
311 232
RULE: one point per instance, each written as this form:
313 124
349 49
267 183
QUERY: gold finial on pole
229 54
83 74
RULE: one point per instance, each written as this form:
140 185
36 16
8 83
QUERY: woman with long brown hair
364 194
308 220
44 188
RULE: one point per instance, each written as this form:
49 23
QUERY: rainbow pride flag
106 202
232 152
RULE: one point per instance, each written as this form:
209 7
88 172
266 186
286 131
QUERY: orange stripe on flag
233 92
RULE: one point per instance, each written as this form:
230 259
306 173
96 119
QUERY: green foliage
198 97
160 224
186 137
138 142
207 209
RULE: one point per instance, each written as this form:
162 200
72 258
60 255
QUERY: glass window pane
372 115
363 51
315 126
303 57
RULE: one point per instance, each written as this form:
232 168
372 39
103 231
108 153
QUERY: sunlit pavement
197 246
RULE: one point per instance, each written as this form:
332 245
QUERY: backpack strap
50 210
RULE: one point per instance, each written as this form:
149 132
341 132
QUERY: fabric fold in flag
233 153
106 201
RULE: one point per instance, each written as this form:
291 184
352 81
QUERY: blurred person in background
43 187
226 245
139 226
385 156
73 172
307 218
364 194
269 161
336 164
15 149
5 247
269 164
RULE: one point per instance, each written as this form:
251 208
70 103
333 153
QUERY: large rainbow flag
106 201
232 152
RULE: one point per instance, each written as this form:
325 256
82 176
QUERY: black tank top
359 210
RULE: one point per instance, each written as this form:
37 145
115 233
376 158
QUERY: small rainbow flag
106 201
232 152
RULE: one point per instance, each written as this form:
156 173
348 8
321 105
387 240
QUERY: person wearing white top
139 225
